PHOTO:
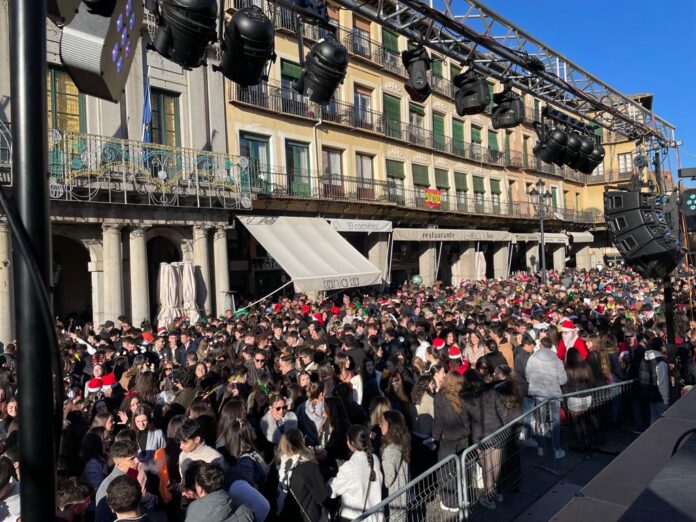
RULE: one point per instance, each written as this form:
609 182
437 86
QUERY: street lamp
540 200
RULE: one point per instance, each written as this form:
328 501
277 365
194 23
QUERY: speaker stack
638 229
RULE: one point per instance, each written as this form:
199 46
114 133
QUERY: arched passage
159 250
72 297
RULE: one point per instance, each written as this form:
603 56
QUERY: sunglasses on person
280 408
260 360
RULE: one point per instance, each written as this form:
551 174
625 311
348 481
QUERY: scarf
285 469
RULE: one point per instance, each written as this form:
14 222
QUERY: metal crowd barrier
422 497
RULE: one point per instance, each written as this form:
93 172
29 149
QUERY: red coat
579 345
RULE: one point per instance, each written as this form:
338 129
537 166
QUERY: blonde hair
291 444
378 406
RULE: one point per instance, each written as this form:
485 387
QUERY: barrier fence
496 465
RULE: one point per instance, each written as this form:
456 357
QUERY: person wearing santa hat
570 339
456 363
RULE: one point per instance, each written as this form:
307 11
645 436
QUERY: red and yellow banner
433 198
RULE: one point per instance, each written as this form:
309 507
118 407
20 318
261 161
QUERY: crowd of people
307 410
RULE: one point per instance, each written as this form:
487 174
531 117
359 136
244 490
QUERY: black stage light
596 157
61 12
249 45
97 47
508 111
688 202
581 162
572 148
551 146
472 94
417 63
184 30
325 68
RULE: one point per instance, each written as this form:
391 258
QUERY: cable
26 251
264 297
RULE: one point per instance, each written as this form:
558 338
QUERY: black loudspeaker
638 229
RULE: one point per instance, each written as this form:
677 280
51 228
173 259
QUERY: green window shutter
479 187
455 71
475 135
599 132
509 191
493 140
507 142
460 181
436 67
417 109
421 178
390 40
442 179
438 124
458 131
554 197
491 88
392 108
495 186
395 169
290 70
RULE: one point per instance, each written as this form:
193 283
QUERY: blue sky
633 45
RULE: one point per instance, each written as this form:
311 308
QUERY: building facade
218 151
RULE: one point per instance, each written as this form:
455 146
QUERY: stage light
581 162
508 111
417 63
688 202
472 95
551 146
61 12
97 47
324 69
249 45
184 30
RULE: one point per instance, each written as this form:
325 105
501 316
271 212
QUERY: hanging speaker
638 230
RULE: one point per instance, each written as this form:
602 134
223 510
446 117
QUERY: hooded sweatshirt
218 507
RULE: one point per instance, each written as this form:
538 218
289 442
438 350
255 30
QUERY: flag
147 110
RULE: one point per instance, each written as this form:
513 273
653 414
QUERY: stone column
465 266
378 251
583 258
531 257
501 260
222 271
559 255
113 271
201 266
140 289
427 263
7 322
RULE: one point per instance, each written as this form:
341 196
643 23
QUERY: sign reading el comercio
433 198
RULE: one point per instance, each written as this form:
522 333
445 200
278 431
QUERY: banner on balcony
445 234
433 198
361 225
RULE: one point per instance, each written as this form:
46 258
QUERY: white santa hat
567 326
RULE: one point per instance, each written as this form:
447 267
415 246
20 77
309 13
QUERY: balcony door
257 150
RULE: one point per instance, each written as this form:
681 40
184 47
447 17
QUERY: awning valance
582 237
444 234
361 225
312 252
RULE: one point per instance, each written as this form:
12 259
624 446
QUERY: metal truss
495 47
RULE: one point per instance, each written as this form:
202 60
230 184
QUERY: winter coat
486 412
447 423
307 494
653 378
396 476
218 507
546 374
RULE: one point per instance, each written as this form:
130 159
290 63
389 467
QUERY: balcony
361 45
392 63
275 99
100 169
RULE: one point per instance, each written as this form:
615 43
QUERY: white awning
445 234
582 237
313 254
361 225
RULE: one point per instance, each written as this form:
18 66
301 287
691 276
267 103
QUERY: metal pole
669 318
37 451
542 212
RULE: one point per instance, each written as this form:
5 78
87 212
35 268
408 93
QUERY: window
599 170
479 193
476 135
495 195
525 151
577 201
454 72
257 150
493 148
421 181
361 37
66 105
165 118
458 144
625 163
438 131
510 195
461 188
436 67
537 110
362 106
331 166
297 164
491 91
392 116
395 181
508 148
442 183
554 197
390 43
364 170
416 117
293 102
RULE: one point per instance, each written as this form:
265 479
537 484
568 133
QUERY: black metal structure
37 445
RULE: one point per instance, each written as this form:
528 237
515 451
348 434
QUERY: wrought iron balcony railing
442 85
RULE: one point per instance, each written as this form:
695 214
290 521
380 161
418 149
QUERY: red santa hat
318 318
277 308
94 385
305 309
567 326
335 310
108 380
438 343
455 352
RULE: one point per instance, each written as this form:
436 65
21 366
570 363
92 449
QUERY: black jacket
521 357
487 413
309 489
447 423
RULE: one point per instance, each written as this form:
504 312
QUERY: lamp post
540 200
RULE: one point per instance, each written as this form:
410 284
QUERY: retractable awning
312 252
